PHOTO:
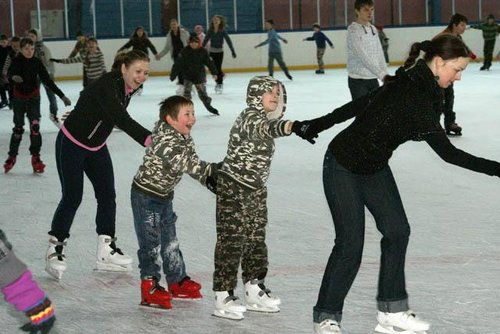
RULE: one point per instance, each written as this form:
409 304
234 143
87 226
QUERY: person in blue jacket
273 39
321 39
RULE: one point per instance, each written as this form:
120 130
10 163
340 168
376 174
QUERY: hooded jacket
251 139
169 156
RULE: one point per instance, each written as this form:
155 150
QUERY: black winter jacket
101 106
403 110
191 63
32 71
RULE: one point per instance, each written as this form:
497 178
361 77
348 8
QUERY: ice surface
453 262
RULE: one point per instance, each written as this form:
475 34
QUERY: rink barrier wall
298 54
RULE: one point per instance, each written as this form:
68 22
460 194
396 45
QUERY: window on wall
279 12
118 18
249 15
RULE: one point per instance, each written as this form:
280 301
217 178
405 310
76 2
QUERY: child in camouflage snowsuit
241 200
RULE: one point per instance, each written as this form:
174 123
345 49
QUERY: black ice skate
453 129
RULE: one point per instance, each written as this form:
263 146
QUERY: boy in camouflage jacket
241 200
170 155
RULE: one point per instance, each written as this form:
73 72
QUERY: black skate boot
213 110
320 71
453 129
9 163
37 164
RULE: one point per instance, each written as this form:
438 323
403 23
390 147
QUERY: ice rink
453 260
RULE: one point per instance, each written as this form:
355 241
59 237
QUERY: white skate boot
328 326
401 323
55 262
110 257
219 88
259 298
228 306
179 90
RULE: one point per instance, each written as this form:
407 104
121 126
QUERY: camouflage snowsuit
241 188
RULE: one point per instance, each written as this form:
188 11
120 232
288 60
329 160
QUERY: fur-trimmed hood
259 85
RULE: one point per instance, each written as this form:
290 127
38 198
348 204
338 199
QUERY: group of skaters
356 174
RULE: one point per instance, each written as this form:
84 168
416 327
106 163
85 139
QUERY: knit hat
193 37
316 25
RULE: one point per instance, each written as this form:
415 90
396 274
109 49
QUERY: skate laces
58 249
230 298
113 246
263 288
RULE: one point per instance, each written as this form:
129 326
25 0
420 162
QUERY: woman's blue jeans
348 194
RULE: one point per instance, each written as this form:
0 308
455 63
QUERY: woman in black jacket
81 149
139 41
356 174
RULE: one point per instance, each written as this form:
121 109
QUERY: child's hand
17 78
67 102
211 183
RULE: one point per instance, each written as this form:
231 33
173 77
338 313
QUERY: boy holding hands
170 155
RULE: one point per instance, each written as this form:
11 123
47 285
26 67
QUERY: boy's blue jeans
348 194
154 221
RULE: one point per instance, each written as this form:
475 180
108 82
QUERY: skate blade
156 306
188 297
100 266
263 309
57 274
391 330
228 315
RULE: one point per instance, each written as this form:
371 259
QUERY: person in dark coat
356 174
191 65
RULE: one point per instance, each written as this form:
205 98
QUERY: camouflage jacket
251 139
168 157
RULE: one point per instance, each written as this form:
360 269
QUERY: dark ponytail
446 46
128 58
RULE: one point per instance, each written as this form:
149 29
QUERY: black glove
307 130
55 60
233 54
211 183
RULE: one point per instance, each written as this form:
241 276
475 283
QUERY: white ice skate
401 323
219 88
55 262
179 90
110 257
228 306
328 326
258 298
